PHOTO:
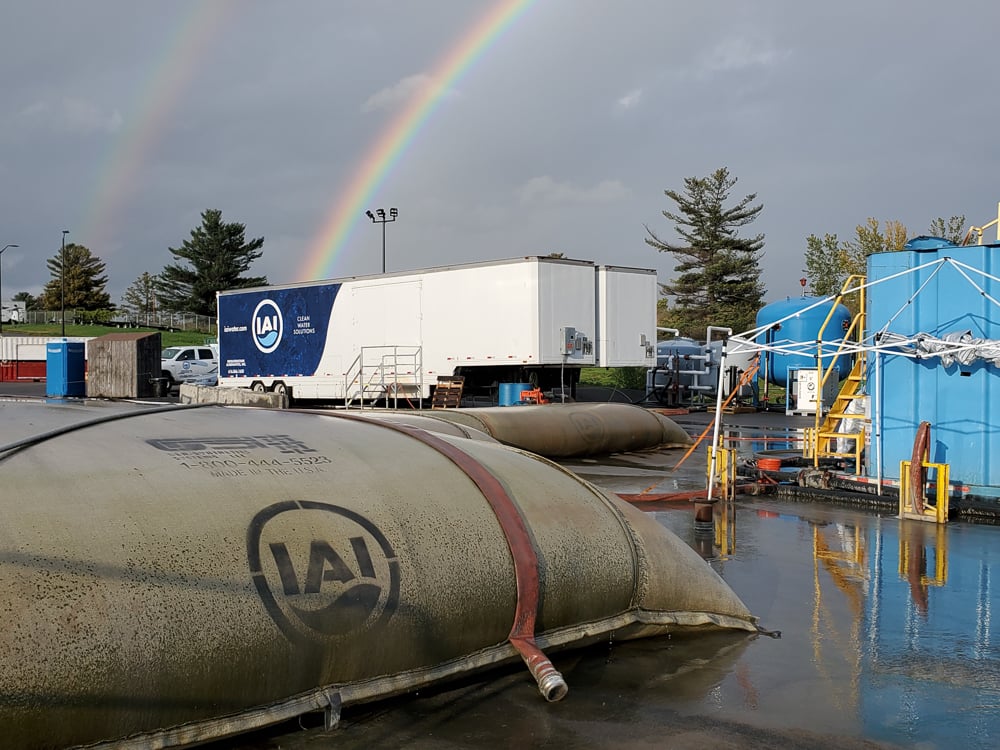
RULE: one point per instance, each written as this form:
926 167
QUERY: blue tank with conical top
794 321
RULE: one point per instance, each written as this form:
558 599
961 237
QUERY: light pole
1 284
62 283
381 219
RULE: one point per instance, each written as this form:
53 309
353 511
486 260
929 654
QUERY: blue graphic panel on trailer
274 332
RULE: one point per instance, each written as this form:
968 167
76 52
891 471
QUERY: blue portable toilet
64 369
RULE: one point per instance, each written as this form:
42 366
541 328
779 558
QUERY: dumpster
64 369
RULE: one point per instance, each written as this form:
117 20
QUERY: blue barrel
803 326
510 393
64 369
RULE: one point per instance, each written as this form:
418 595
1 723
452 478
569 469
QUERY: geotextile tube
578 429
172 576
425 420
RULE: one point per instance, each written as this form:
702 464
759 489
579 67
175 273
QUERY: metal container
927 292
176 574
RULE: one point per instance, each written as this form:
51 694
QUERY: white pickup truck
183 364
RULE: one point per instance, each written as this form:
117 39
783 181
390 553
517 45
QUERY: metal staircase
384 372
821 442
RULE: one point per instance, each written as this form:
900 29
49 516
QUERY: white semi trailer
535 320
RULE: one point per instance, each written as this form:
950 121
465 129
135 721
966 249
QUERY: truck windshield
170 352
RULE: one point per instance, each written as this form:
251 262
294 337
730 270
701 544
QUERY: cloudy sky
498 128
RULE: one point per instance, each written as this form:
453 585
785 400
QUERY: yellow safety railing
855 333
978 232
938 513
725 471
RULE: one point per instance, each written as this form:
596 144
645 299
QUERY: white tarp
958 346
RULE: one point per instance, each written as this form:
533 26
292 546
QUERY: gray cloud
547 190
404 91
569 126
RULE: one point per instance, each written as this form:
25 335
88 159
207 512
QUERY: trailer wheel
257 387
283 390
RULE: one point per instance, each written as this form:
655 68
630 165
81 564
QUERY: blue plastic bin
510 393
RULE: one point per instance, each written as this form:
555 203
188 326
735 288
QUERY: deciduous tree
824 264
30 301
140 297
952 229
870 239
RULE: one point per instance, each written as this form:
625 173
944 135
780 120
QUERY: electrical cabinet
803 387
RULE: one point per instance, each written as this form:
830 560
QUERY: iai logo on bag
267 326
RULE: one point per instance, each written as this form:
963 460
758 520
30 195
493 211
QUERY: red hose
522 550
670 497
918 477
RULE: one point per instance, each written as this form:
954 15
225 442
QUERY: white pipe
877 419
718 329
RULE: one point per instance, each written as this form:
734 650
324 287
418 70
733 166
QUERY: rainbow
144 125
392 143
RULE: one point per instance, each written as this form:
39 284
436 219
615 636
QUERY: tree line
717 278
216 256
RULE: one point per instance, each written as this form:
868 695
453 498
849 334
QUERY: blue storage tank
65 369
681 347
802 326
935 288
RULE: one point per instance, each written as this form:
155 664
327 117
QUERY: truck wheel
168 377
283 390
257 387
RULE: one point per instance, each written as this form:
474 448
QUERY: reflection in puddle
887 624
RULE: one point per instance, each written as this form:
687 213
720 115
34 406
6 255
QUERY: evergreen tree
140 298
717 278
85 281
215 258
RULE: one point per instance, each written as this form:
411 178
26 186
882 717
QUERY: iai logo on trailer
267 326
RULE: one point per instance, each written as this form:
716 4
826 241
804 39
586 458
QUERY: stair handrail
980 231
393 360
855 329
381 372
351 377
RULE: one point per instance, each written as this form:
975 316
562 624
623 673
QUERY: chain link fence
162 321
